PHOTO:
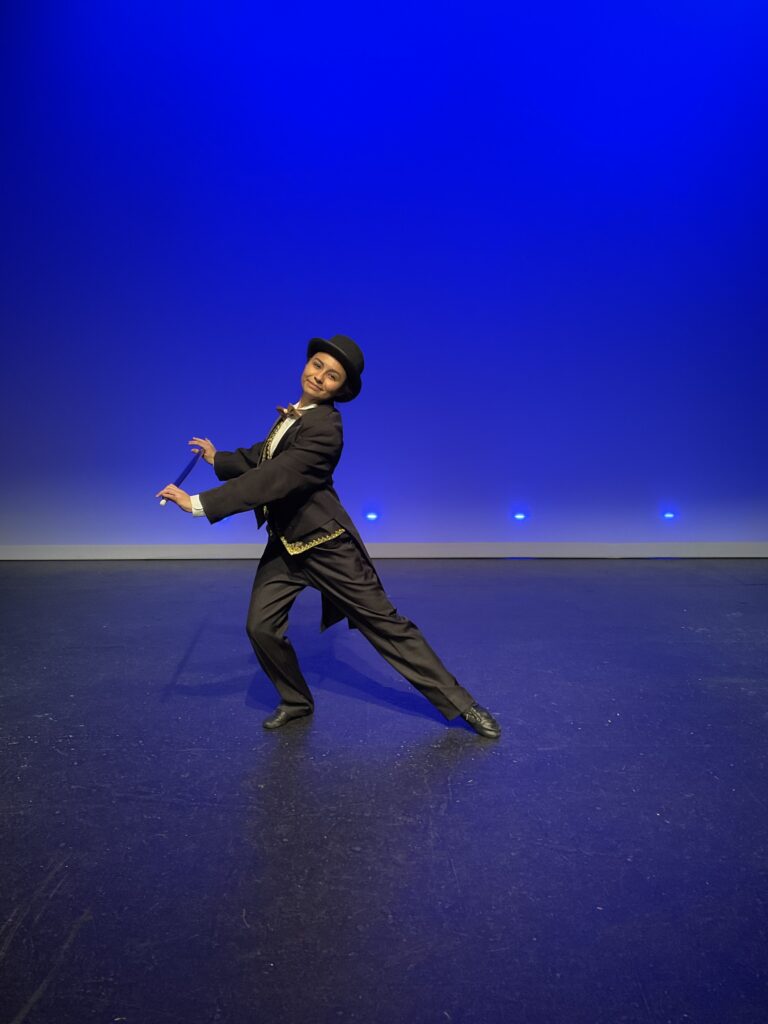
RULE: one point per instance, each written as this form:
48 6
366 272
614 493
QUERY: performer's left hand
174 493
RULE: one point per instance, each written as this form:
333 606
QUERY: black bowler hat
349 355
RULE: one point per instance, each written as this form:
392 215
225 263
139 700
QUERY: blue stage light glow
486 224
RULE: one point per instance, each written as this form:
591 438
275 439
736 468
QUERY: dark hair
343 393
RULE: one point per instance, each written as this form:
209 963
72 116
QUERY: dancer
287 481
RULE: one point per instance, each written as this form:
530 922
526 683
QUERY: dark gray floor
168 860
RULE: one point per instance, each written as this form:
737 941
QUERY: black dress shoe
482 721
280 717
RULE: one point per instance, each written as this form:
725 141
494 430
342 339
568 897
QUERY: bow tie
289 410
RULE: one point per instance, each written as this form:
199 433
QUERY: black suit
293 492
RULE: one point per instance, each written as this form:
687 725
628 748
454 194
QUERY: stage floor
167 860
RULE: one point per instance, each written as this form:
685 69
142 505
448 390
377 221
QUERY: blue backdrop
544 224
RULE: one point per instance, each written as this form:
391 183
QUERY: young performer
287 481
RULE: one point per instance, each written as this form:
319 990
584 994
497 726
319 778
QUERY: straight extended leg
338 568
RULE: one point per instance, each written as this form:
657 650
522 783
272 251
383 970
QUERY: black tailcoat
296 485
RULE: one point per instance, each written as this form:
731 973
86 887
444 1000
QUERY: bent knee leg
262 631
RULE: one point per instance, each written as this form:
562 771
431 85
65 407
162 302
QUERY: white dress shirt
197 506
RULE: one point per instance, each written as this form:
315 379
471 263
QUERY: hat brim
353 384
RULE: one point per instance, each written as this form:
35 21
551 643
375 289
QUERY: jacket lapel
288 435
272 429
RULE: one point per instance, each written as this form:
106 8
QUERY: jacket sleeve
227 465
305 466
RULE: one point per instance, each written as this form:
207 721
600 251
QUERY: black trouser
338 569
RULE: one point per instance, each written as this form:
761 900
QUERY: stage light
520 515
669 515
371 516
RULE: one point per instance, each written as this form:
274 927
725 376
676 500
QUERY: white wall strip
574 549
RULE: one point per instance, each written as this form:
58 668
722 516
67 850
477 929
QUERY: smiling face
322 378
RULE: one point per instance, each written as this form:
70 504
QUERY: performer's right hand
207 447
